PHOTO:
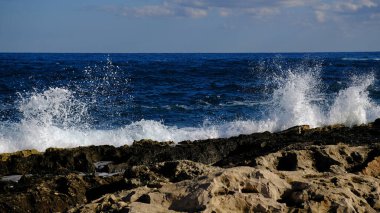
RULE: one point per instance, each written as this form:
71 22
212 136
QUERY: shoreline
293 129
295 165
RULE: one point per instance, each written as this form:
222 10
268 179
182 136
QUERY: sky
180 26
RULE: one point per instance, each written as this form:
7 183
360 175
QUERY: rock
23 154
288 162
373 168
230 190
145 198
171 171
376 123
297 130
177 171
44 195
332 168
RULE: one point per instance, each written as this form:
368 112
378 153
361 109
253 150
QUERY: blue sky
189 25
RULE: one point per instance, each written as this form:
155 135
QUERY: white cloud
260 12
353 6
343 9
320 15
224 12
149 10
295 3
322 10
195 12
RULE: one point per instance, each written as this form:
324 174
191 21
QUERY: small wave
184 107
243 103
149 107
170 107
361 59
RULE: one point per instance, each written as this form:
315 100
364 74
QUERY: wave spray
59 117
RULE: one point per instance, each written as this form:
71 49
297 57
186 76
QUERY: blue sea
69 100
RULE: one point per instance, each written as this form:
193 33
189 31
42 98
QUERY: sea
69 100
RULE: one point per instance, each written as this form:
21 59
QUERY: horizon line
264 52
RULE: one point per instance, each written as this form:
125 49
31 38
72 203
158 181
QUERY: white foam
292 101
298 100
53 107
55 118
12 178
361 59
352 105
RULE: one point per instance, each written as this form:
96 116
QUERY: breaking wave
56 117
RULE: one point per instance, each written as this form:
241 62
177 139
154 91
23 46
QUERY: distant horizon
312 52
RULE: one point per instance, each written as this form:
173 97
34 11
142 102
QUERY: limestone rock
373 168
326 169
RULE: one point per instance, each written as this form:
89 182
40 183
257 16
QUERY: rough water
68 100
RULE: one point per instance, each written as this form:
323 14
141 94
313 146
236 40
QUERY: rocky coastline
302 169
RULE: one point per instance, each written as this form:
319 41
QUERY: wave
24 136
361 59
242 103
56 118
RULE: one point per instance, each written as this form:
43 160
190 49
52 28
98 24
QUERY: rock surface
328 169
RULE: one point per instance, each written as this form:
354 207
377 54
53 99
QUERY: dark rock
102 189
288 162
299 186
323 162
376 123
145 198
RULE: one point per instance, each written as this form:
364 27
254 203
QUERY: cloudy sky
189 25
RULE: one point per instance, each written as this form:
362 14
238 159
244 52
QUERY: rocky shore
328 169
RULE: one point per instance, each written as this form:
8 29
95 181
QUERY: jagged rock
23 154
307 186
171 171
48 193
235 151
44 195
332 168
231 190
326 158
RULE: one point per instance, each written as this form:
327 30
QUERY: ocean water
68 100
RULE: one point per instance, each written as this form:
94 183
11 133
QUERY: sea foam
57 118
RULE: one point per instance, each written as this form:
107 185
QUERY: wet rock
297 130
22 154
376 124
43 195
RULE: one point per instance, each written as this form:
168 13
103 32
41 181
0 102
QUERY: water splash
57 117
53 107
105 85
353 105
294 100
299 99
